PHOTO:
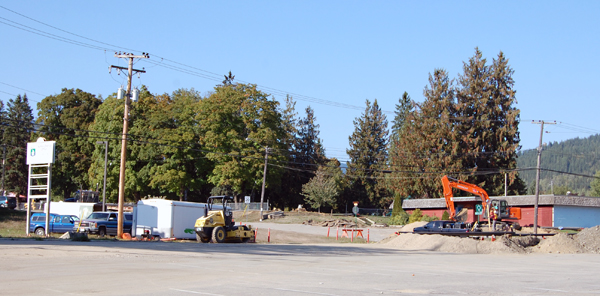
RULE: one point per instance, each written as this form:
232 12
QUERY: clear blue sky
331 55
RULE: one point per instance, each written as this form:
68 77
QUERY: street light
105 160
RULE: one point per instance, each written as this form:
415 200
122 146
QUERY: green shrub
399 219
427 218
415 216
445 216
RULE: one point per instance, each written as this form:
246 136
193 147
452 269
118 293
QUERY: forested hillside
577 156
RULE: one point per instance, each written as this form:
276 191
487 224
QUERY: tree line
576 156
187 146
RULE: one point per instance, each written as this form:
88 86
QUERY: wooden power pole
130 71
537 175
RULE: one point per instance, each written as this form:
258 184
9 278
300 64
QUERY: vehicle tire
40 231
201 239
218 235
101 232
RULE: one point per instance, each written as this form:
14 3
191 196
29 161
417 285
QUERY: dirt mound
559 243
587 241
342 223
451 244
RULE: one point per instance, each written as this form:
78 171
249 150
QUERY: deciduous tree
65 118
235 124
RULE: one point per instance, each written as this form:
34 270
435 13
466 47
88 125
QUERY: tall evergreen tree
288 191
65 118
488 122
309 149
427 143
306 155
368 156
3 124
17 133
403 109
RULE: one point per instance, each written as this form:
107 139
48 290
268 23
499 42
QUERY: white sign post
40 154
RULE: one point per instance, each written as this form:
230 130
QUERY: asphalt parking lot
58 267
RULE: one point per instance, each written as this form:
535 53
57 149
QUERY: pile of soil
341 223
587 241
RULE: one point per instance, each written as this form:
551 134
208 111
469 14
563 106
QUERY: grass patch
12 223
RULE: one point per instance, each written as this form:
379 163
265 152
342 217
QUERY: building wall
576 216
430 212
544 216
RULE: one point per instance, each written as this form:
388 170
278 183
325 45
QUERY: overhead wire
209 75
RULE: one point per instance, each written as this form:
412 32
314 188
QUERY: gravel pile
587 241
341 223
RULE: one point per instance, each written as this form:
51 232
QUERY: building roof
514 200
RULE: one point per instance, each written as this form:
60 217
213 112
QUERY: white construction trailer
168 218
79 209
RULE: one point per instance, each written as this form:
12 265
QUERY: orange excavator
499 206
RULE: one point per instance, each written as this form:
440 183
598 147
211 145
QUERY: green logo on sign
188 230
478 209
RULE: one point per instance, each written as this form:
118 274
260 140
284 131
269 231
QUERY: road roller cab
217 224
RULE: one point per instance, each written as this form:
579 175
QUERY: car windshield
98 216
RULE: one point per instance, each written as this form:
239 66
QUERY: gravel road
375 234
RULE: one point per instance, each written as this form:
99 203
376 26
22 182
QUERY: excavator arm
450 183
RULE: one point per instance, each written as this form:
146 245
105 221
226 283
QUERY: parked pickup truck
443 226
104 223
58 223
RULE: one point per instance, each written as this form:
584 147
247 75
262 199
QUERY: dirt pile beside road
587 241
451 244
341 223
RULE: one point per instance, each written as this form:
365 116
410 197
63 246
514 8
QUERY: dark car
58 223
443 226
103 223
8 202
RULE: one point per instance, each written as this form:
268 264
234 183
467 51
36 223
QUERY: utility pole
537 175
4 169
105 160
262 194
130 71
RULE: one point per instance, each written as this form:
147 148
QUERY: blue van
58 223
